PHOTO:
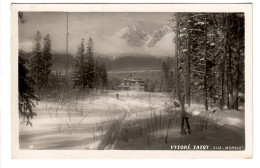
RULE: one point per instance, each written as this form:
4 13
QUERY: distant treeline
123 62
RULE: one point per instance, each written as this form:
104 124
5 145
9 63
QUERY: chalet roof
133 80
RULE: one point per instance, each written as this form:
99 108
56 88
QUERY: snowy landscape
142 81
135 121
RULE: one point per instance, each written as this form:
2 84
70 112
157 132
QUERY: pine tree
26 92
36 67
47 58
103 75
79 72
90 64
97 75
21 18
25 85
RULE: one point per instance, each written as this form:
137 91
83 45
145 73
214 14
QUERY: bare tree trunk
67 55
214 84
237 69
188 69
225 64
212 40
229 73
83 83
226 84
37 84
222 102
230 78
205 66
176 58
214 71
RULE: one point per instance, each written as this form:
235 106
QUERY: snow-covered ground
137 120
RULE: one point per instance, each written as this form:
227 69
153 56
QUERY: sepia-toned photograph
119 81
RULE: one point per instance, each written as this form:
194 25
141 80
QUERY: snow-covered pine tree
209 49
184 55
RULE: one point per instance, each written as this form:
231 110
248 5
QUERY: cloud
26 46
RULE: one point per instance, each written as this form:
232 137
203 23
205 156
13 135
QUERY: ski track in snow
131 104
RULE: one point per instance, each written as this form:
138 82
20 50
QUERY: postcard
92 81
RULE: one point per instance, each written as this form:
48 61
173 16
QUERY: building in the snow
131 84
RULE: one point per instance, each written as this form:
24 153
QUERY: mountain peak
132 27
157 35
166 28
134 36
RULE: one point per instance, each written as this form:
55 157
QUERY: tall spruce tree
36 67
90 64
79 70
47 58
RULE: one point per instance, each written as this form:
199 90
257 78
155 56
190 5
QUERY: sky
54 23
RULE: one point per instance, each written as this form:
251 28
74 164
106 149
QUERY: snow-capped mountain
157 35
130 39
157 42
134 36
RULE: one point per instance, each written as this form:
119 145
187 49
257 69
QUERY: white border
118 154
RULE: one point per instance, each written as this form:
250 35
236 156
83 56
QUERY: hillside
58 60
132 62
124 62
